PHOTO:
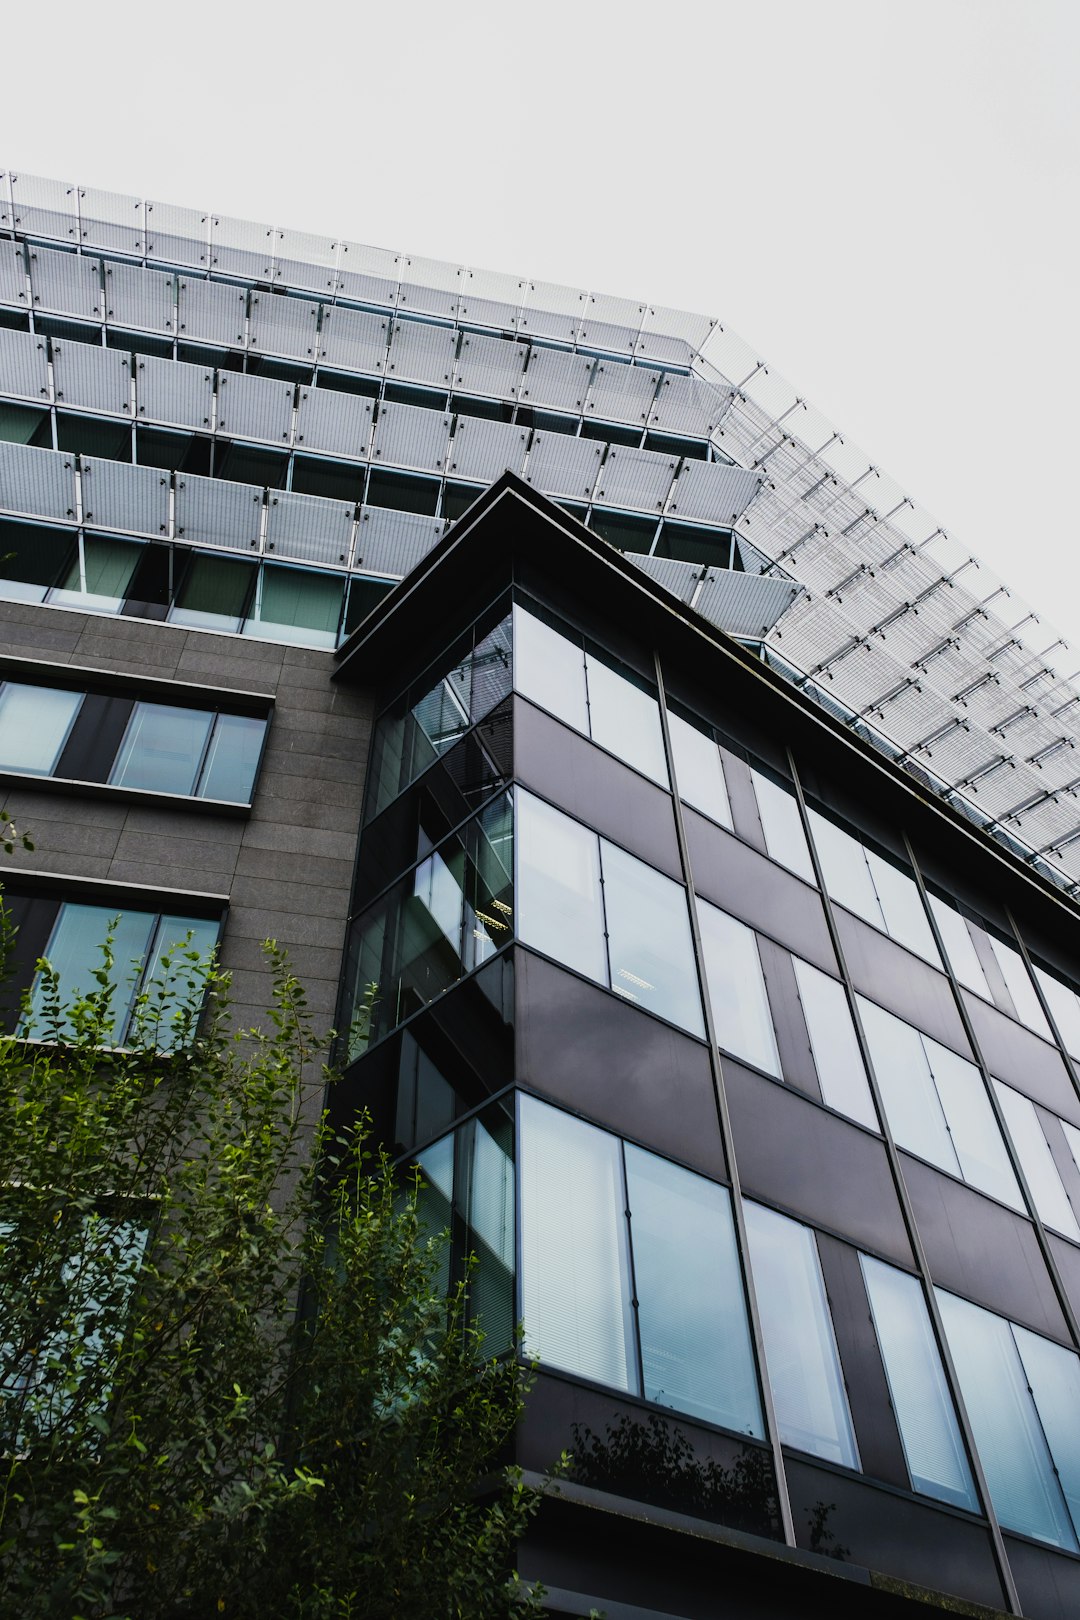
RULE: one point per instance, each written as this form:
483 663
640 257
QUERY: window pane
489 1216
213 594
559 905
649 942
847 876
1053 1375
74 950
625 720
782 825
984 1161
1020 987
233 758
550 670
834 1044
699 770
162 749
175 976
1017 1464
901 906
929 1430
1065 1006
737 989
804 1368
1037 1161
907 1087
695 1343
575 1284
34 726
963 958
99 581
297 607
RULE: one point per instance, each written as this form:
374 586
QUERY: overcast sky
880 196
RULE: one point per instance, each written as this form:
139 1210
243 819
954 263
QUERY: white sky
880 196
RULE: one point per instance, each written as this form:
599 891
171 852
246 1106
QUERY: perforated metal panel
144 300
430 287
482 450
168 391
422 353
254 407
44 207
13 275
688 406
92 379
392 543
24 367
304 260
370 275
131 500
111 220
489 365
308 528
489 298
680 578
37 483
337 423
210 312
285 326
559 465
551 311
556 380
640 479
408 436
674 335
353 339
611 323
713 492
622 393
241 247
177 235
744 604
66 283
212 512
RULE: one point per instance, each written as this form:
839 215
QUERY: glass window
699 770
550 670
959 948
650 948
804 1368
575 1283
902 908
929 1431
937 1105
872 887
1040 1171
162 750
1064 1004
625 720
1005 1420
213 594
740 1006
233 758
296 606
834 1044
560 906
1053 1375
98 578
696 1352
34 726
1020 987
782 825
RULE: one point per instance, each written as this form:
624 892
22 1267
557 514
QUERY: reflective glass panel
163 749
695 1342
902 908
740 1006
559 900
907 1087
575 1282
649 943
1064 1004
296 606
233 758
1020 987
98 579
984 1161
847 876
782 825
1053 1375
699 770
833 1042
625 719
1011 1444
1040 1171
550 670
213 594
963 957
933 1447
800 1350
174 978
34 726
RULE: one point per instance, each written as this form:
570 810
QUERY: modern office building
703 814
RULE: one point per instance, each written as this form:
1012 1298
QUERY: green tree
179 1437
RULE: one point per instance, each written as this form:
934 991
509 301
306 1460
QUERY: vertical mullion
635 1318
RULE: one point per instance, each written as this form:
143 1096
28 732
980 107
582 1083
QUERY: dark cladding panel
586 1049
1048 1582
808 1161
740 880
596 788
1023 1060
980 1249
894 978
880 1450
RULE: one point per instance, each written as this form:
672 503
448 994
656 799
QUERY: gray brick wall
288 866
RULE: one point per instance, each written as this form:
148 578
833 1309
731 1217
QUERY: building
705 821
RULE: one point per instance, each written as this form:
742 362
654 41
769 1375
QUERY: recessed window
34 726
